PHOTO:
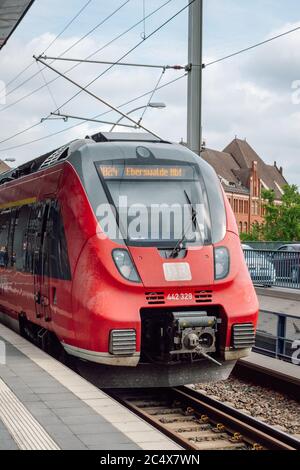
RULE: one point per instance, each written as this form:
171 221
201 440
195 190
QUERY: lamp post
150 105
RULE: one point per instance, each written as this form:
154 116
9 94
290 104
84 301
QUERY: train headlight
222 263
125 265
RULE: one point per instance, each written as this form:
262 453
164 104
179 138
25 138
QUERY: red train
94 262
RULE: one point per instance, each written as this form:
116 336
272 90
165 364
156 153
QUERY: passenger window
4 232
57 245
14 220
20 238
34 229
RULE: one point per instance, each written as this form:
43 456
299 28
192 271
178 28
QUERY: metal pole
194 124
70 116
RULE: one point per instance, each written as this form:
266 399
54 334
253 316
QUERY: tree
282 221
254 235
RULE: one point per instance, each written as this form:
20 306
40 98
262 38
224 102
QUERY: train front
168 297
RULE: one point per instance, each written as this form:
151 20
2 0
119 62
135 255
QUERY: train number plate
177 272
183 297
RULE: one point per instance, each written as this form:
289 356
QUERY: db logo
296 354
2 92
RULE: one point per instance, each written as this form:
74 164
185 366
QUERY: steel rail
202 423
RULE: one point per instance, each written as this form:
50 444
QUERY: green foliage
253 236
282 221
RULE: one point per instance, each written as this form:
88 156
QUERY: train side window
58 251
20 238
4 232
14 220
34 229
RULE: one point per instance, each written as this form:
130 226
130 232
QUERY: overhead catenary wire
66 27
54 134
47 85
98 98
249 48
135 47
78 41
143 35
172 81
100 49
152 95
155 31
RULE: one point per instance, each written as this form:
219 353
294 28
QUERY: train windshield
157 204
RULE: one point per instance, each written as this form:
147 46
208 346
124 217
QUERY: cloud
249 96
117 86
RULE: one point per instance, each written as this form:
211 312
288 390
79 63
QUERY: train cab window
4 232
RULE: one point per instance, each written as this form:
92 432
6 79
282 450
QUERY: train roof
62 153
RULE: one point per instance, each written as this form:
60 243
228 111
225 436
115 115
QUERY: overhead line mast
194 118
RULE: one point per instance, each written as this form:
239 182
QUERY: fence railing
269 245
274 268
278 336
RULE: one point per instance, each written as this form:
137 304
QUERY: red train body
154 308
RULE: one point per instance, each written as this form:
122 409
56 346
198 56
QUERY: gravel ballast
272 407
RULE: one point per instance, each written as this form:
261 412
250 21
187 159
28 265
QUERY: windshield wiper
179 246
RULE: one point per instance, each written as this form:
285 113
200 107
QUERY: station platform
279 300
272 373
273 367
46 406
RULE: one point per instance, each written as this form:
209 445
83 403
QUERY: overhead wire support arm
98 98
125 64
69 116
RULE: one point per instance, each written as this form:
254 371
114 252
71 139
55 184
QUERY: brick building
243 175
3 167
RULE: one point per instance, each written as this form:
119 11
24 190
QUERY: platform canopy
11 14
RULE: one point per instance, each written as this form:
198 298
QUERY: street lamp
150 105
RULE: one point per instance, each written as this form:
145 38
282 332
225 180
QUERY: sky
249 96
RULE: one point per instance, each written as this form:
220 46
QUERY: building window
241 227
246 227
235 204
241 208
255 208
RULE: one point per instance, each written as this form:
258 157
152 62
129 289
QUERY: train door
41 263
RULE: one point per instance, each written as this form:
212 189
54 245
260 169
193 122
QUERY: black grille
243 336
203 296
155 298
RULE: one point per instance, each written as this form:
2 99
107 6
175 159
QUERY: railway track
197 422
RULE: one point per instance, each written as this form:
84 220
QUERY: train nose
194 270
